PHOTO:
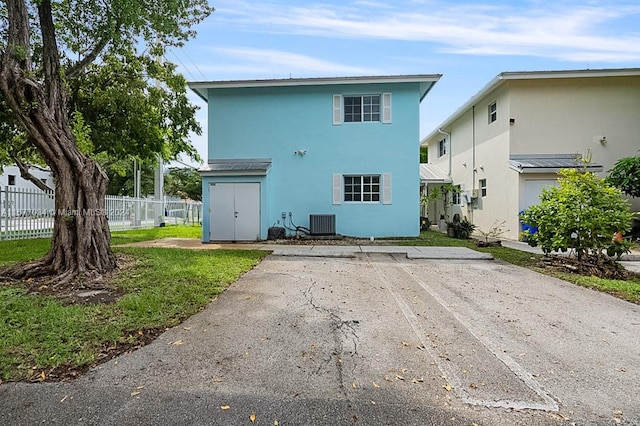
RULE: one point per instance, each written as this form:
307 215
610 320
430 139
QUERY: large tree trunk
81 241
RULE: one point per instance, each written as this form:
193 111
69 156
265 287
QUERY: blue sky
469 42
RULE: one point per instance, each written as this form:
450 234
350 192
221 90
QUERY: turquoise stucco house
312 155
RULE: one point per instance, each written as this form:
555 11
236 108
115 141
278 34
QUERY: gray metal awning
430 173
549 163
237 167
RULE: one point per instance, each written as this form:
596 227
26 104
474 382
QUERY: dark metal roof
549 163
236 167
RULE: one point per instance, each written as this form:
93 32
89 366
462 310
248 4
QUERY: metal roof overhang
237 167
430 173
426 82
549 163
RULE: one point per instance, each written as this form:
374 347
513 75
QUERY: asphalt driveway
376 339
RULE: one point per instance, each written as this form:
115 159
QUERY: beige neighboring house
509 141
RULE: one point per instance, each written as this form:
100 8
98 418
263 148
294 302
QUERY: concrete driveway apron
375 339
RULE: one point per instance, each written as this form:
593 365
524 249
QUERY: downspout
473 147
473 158
448 134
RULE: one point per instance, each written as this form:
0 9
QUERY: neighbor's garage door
533 189
235 211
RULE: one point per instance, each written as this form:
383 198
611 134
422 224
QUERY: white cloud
570 31
263 62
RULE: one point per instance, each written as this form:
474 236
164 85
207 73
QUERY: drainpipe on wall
473 147
473 158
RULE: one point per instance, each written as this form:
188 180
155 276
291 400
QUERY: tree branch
51 61
26 174
18 34
79 66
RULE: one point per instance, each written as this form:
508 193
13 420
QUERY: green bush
462 229
582 214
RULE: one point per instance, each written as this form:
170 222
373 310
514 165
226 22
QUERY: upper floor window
442 147
482 183
456 198
493 112
362 188
362 108
11 180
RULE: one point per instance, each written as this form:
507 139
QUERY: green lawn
161 289
147 234
25 250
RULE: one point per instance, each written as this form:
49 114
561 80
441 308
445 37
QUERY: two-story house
312 155
508 142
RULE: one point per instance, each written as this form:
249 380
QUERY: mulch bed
598 267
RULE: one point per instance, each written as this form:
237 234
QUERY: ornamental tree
183 183
625 175
582 214
45 47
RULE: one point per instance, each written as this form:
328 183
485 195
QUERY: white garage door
533 189
235 211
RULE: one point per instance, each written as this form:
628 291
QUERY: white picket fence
29 213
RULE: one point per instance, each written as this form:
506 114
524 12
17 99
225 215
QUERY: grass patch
628 290
164 287
23 250
148 234
27 250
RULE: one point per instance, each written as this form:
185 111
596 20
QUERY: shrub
462 229
582 214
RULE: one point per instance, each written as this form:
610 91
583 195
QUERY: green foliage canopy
582 214
625 175
183 183
130 100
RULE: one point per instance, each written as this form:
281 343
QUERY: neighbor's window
361 108
442 147
493 112
12 180
362 188
482 183
456 196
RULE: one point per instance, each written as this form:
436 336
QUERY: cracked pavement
375 339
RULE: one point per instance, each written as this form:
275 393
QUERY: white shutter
337 110
337 188
386 188
386 108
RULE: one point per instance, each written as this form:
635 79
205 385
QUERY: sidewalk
630 261
450 253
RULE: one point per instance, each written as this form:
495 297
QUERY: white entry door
235 211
